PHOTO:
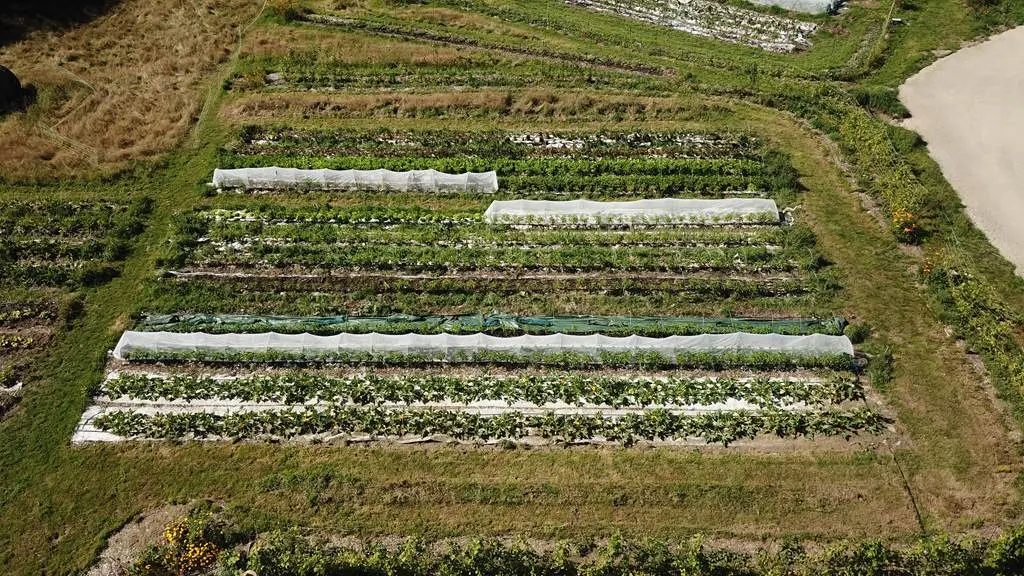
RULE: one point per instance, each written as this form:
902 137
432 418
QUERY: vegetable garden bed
371 423
494 324
486 407
255 140
52 243
714 20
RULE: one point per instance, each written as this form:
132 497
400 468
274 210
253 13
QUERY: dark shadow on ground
20 17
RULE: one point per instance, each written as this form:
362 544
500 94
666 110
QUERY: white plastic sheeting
726 210
274 178
805 6
714 20
447 344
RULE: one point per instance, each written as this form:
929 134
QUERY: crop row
573 294
15 342
17 312
891 178
484 235
752 360
311 70
68 273
654 425
295 387
290 294
493 324
257 140
56 243
76 219
730 23
194 225
13 249
214 298
377 215
643 185
509 167
981 316
306 551
561 258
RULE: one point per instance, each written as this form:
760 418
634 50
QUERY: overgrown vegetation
298 553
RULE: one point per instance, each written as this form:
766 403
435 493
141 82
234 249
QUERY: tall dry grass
347 48
125 86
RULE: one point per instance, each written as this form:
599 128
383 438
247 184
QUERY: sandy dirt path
969 107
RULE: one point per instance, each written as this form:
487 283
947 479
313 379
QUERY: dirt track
969 107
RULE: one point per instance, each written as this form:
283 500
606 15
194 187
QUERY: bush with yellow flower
904 226
190 547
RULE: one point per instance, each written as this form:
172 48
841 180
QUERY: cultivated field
546 270
50 249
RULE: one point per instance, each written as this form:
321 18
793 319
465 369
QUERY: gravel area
969 107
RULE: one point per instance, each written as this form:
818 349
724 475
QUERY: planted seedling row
556 258
493 324
754 360
208 226
73 219
258 140
571 389
655 425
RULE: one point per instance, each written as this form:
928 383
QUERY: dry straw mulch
124 86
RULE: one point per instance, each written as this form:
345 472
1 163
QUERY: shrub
8 377
191 546
881 99
285 9
880 368
857 333
95 274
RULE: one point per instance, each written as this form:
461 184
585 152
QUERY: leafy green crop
296 387
716 427
754 360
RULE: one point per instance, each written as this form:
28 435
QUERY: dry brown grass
126 86
347 48
432 15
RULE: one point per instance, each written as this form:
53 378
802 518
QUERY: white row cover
451 343
657 210
806 6
273 178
